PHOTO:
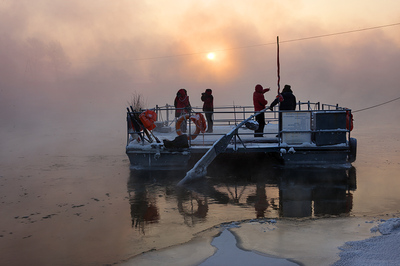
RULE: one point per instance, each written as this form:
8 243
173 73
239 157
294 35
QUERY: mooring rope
398 98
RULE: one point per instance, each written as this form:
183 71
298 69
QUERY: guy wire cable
376 105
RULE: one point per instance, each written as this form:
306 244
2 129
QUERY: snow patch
378 250
387 227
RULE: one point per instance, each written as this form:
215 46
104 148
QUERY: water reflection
192 206
317 192
254 192
143 205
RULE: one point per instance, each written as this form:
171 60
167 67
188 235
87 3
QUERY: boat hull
148 160
323 158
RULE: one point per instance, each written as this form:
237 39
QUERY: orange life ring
198 120
349 120
148 118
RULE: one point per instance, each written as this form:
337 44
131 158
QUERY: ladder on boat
200 168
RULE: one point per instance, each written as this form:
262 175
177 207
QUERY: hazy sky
69 61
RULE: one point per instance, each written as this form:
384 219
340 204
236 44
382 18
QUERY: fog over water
69 68
72 67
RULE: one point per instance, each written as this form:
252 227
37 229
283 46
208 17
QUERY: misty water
71 207
69 69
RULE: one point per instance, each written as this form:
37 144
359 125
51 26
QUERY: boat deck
245 141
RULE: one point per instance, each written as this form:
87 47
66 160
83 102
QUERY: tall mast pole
279 67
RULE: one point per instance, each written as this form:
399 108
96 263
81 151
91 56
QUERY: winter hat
258 87
287 87
182 93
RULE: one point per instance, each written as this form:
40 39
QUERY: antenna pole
279 67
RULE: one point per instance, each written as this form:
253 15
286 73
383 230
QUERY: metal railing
230 116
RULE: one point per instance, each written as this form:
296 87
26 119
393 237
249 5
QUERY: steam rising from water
69 68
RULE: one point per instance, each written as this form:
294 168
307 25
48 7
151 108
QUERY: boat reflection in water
143 204
240 191
317 192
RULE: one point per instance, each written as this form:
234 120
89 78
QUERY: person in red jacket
208 108
182 106
259 103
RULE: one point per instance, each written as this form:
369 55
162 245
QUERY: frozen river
80 208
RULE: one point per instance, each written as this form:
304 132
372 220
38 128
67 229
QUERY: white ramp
200 168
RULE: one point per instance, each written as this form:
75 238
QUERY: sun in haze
211 56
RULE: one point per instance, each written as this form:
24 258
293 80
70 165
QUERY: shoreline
279 242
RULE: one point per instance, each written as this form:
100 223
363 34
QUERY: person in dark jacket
182 106
208 108
259 103
287 102
286 99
